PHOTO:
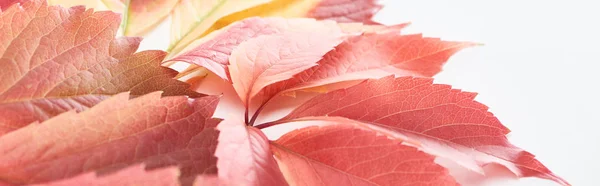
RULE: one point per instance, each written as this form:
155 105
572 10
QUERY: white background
537 72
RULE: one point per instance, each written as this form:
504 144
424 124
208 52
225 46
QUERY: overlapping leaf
447 122
134 175
375 55
224 12
56 59
344 155
115 133
192 19
214 50
268 59
244 156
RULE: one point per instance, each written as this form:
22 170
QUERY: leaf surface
58 59
214 50
344 155
192 19
244 157
375 55
134 175
167 131
447 122
143 15
268 59
338 10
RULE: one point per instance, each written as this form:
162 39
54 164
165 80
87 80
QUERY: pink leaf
375 55
134 175
268 59
344 155
244 157
446 121
213 51
115 133
56 59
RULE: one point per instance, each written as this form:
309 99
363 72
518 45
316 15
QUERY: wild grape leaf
268 59
344 155
167 131
337 10
143 15
213 51
134 175
244 157
445 121
56 59
192 19
225 14
375 55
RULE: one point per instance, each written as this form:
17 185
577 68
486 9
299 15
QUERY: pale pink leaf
244 157
213 51
268 59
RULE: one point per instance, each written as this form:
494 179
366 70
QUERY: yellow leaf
143 15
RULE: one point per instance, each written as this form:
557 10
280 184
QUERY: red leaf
214 50
346 10
56 59
447 122
134 175
375 55
244 156
344 155
115 133
268 59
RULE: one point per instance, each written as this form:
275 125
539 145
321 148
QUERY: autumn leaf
375 55
344 155
268 59
445 121
143 15
245 151
213 51
57 59
167 131
223 13
191 19
344 11
134 175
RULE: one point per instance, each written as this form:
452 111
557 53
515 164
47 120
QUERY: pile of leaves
79 106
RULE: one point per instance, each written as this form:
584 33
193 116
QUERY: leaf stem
255 115
246 116
269 124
